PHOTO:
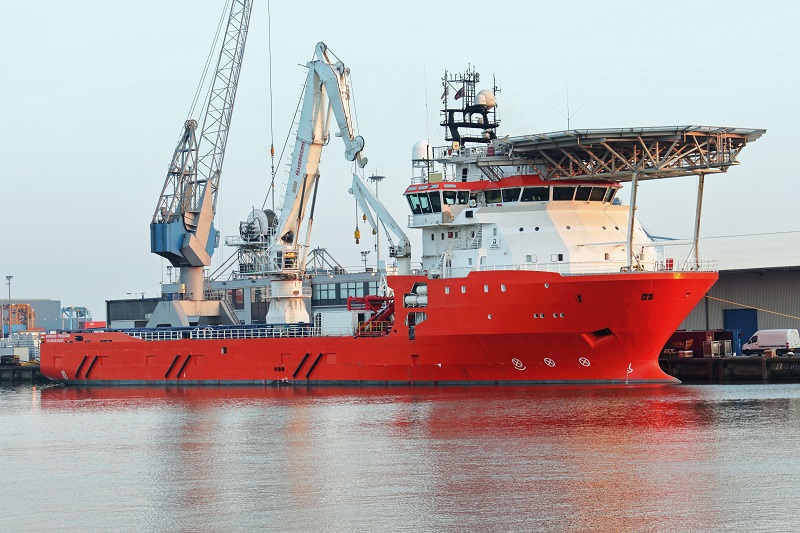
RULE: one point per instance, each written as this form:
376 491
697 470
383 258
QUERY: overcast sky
95 94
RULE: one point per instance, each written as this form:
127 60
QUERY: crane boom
369 203
327 91
182 226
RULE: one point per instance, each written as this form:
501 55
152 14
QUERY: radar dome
485 97
421 151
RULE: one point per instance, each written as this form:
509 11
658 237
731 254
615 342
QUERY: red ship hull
490 327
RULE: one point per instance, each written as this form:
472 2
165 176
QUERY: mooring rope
751 307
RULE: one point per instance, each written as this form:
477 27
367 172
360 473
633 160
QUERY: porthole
521 229
568 227
561 315
490 317
555 315
604 227
447 290
503 287
536 228
546 285
463 289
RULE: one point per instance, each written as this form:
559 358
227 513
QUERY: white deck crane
182 228
327 91
369 202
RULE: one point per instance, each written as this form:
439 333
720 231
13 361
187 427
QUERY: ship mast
470 111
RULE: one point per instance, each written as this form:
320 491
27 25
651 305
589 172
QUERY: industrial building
758 287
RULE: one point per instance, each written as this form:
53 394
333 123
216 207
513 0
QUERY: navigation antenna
568 116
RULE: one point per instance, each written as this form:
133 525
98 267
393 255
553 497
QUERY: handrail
585 268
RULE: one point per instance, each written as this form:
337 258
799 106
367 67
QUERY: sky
96 93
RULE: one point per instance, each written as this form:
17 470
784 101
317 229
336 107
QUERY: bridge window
561 194
535 194
610 194
449 197
425 203
436 201
590 194
493 196
598 193
463 197
413 202
582 195
511 195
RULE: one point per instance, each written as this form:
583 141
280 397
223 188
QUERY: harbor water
544 458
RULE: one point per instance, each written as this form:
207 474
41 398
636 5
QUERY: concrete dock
11 374
784 369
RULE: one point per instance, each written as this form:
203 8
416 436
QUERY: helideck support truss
617 154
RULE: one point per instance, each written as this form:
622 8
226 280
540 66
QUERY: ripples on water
645 458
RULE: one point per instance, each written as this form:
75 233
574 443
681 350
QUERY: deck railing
239 332
585 268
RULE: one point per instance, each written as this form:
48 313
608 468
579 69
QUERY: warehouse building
758 287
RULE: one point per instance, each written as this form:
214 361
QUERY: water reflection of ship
602 454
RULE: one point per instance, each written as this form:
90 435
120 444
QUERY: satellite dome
485 97
421 151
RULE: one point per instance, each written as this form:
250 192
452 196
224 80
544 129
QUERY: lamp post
376 180
8 282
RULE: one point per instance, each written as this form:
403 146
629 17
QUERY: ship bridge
624 155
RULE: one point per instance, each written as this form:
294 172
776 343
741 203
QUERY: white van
782 341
